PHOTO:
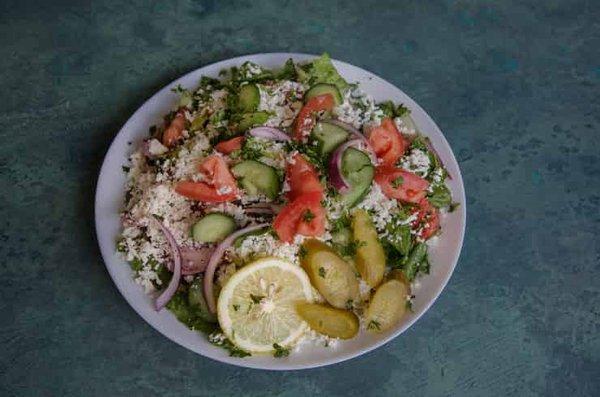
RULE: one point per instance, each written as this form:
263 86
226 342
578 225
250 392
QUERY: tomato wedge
304 215
305 121
174 131
401 185
201 191
229 146
387 142
219 185
302 177
430 215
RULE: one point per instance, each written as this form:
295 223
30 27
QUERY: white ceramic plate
110 194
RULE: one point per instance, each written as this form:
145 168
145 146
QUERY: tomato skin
412 189
291 219
174 131
218 178
302 177
429 214
387 142
217 173
229 146
201 191
305 120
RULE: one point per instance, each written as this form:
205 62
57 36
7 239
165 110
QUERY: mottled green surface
515 88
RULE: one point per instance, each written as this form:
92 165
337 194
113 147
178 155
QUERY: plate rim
245 363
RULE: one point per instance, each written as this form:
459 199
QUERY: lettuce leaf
321 70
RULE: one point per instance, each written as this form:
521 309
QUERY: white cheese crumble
357 108
381 207
235 211
403 127
281 100
417 161
266 245
146 276
156 148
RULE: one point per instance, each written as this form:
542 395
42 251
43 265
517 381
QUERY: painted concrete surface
515 86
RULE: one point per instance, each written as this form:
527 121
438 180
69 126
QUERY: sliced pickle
326 320
387 306
330 275
370 257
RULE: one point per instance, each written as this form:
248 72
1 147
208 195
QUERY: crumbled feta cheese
145 278
382 208
312 338
364 290
403 128
266 245
236 211
358 108
281 100
156 148
417 161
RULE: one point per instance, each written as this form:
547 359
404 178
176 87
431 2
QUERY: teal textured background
515 86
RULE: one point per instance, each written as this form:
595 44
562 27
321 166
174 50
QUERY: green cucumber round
329 136
256 178
359 172
213 227
321 89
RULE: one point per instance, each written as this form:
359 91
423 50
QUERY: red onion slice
336 177
215 260
168 293
193 260
269 133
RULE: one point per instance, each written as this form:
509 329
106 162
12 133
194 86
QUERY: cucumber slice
249 98
213 227
359 172
329 136
250 120
256 177
323 88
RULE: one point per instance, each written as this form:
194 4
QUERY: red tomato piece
401 185
229 146
302 177
387 142
430 215
220 186
201 191
304 215
174 131
305 121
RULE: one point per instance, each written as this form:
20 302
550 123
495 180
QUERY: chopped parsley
321 272
256 298
280 351
308 216
453 207
226 344
302 252
396 183
374 325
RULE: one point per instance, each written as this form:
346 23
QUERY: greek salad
273 208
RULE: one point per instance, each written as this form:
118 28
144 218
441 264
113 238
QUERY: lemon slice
256 307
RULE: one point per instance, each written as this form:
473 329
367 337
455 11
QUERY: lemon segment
257 306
